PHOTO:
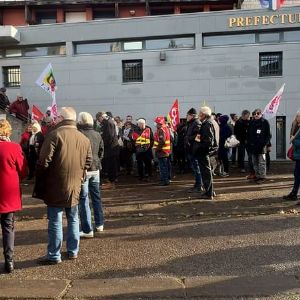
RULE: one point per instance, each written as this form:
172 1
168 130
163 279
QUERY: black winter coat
259 135
110 138
192 129
241 130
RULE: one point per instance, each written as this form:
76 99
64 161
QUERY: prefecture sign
275 19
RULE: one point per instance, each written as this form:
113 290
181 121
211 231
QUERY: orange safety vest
143 140
167 145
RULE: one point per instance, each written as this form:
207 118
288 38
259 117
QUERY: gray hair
68 113
205 110
141 121
85 118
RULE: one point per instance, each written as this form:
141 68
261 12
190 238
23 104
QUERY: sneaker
99 228
251 176
224 174
46 261
88 235
291 197
72 257
164 183
195 189
260 180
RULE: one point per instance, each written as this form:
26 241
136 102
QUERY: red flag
173 116
36 114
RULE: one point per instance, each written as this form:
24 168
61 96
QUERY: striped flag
271 4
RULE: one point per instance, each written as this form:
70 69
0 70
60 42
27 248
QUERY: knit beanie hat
192 112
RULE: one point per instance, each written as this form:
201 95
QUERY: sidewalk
214 287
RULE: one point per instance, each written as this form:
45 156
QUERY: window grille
12 76
270 64
132 70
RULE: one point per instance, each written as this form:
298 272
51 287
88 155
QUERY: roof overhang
9 35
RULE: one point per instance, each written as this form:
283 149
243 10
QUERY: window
292 36
75 17
132 70
44 51
273 37
233 39
13 52
48 17
103 14
11 76
270 64
133 46
171 43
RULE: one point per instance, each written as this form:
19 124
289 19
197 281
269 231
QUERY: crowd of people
76 154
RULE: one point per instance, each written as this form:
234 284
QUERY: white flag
272 107
47 80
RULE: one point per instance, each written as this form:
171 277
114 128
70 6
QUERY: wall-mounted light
132 12
162 55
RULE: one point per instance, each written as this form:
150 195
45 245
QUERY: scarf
4 138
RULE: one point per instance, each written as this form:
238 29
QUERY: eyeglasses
257 114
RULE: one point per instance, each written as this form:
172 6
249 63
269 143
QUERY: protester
206 146
162 149
64 158
20 108
241 132
259 135
128 148
91 185
179 149
192 129
225 132
4 101
13 168
111 149
295 140
233 118
24 142
35 143
143 142
214 160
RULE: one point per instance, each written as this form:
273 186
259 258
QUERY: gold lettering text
240 22
272 21
283 18
256 20
248 21
265 20
292 18
232 22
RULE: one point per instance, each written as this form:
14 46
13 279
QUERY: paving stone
230 286
126 288
33 289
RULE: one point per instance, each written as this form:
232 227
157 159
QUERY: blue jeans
296 178
196 170
90 186
55 231
164 169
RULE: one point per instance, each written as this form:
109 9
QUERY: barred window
132 70
270 64
11 76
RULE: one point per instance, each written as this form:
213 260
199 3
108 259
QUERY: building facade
230 60
32 12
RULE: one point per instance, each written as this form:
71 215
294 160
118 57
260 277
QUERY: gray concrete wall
225 78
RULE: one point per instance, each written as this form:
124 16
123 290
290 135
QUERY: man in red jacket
20 108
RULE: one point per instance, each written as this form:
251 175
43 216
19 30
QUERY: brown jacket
65 155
